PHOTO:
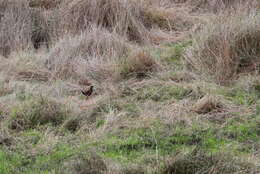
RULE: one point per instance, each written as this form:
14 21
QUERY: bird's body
88 92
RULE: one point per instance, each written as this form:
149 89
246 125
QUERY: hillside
176 87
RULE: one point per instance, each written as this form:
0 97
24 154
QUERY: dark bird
88 92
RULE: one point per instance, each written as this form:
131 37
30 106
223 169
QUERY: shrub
226 47
37 111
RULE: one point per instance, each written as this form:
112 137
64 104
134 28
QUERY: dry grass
21 27
138 64
15 26
147 112
36 112
226 47
114 15
201 162
219 5
91 55
130 19
207 104
46 4
24 66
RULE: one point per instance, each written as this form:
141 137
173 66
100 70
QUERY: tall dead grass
15 25
46 4
115 15
98 55
219 5
93 54
129 18
226 47
21 27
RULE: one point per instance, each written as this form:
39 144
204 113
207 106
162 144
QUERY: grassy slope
142 125
141 128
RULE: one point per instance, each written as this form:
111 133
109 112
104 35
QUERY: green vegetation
176 87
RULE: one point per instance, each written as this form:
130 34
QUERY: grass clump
114 15
46 4
93 54
222 50
138 65
202 162
84 163
35 112
207 104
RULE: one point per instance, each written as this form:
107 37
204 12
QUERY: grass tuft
35 112
222 50
199 161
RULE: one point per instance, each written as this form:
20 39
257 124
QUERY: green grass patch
242 97
131 145
243 129
171 54
14 162
7 162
